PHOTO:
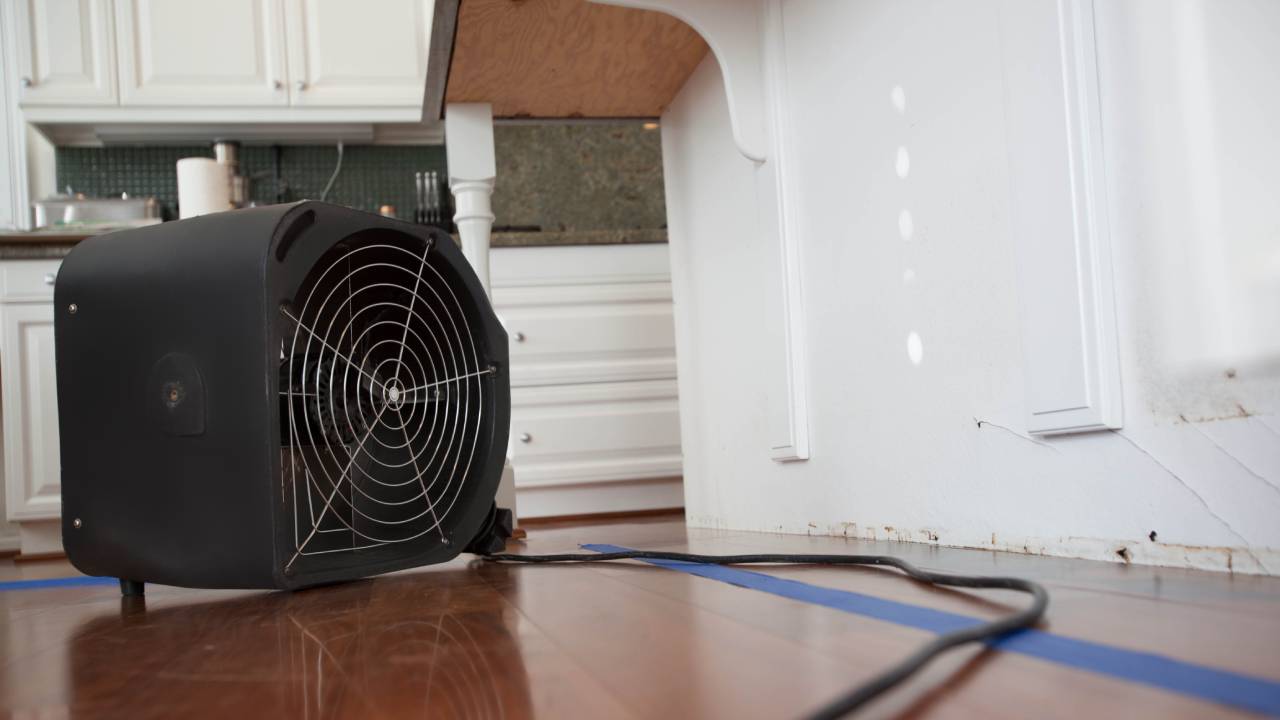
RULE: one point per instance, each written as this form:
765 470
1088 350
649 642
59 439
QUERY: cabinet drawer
28 280
571 344
580 314
595 433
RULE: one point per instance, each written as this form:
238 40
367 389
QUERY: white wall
1193 166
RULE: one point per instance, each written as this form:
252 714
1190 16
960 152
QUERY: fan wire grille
384 388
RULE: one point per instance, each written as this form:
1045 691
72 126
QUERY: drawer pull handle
519 336
50 278
526 438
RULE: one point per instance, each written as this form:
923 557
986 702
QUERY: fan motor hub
396 394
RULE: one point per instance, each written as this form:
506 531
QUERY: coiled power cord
868 691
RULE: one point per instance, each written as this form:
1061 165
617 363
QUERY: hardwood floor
476 640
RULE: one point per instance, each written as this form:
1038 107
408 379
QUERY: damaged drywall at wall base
935 443
1138 551
1233 466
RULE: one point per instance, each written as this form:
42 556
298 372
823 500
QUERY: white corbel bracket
732 29
747 40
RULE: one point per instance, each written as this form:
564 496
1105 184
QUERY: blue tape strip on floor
82 581
1199 681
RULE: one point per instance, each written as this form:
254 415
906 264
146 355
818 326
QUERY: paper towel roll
203 187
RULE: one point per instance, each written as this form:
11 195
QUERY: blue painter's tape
81 581
1198 681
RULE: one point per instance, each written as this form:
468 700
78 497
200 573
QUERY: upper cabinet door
371 53
65 50
196 52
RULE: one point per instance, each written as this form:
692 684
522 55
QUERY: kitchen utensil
419 210
433 198
227 154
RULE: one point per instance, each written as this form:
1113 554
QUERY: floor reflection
435 644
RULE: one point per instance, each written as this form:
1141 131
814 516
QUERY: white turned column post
468 143
473 214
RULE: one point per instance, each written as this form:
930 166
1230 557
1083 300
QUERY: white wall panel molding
778 190
1059 217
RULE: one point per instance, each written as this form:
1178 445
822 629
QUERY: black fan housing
276 397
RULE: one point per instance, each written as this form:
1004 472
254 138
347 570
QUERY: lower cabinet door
30 398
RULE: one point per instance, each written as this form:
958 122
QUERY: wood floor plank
471 639
1221 635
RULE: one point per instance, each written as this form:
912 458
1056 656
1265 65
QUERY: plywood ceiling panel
569 58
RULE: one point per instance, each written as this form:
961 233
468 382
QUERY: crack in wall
1266 425
1237 460
1196 495
1017 434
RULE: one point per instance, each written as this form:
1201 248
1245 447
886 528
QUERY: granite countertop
45 245
37 245
579 237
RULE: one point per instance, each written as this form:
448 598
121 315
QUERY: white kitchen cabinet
370 53
595 421
31 462
231 52
121 62
65 51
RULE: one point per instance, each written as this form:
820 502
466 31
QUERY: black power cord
863 694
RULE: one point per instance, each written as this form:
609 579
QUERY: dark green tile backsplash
555 176
372 175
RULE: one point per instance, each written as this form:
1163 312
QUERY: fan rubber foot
132 588
492 538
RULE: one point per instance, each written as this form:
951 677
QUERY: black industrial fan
276 398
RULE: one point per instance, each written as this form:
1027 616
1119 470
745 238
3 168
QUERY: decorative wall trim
789 419
1060 218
